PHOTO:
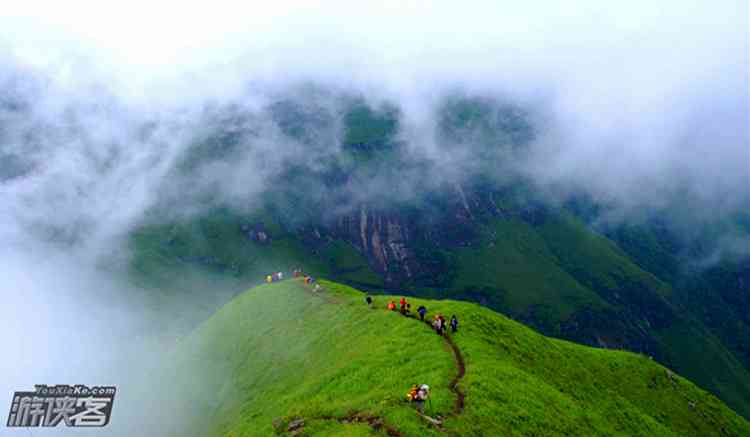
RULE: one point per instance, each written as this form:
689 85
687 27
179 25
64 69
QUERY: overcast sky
404 41
637 91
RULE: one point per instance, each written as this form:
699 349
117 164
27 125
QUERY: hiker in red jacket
437 324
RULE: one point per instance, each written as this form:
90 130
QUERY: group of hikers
440 326
439 323
419 393
405 307
273 277
297 273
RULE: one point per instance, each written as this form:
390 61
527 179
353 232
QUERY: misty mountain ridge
448 200
579 170
375 213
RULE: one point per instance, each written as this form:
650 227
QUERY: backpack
412 395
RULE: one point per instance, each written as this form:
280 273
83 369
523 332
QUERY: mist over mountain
458 136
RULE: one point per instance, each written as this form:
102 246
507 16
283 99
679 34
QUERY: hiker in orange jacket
419 394
392 305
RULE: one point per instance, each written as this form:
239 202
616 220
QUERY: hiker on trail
392 305
420 396
269 278
308 279
422 311
402 304
280 275
439 324
368 299
454 324
297 273
407 312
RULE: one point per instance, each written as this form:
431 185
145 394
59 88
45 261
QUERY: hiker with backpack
392 306
402 304
454 324
422 311
419 394
368 299
437 324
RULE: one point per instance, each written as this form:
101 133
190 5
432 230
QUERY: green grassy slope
700 353
558 264
546 272
518 263
216 242
279 352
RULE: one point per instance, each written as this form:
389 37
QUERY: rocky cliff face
392 238
397 244
384 238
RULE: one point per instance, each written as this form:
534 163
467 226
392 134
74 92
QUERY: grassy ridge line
543 274
277 352
554 387
378 423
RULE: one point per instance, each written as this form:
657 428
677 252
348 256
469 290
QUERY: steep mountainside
547 269
281 359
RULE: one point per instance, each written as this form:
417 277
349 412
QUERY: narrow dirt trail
377 423
310 288
458 405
